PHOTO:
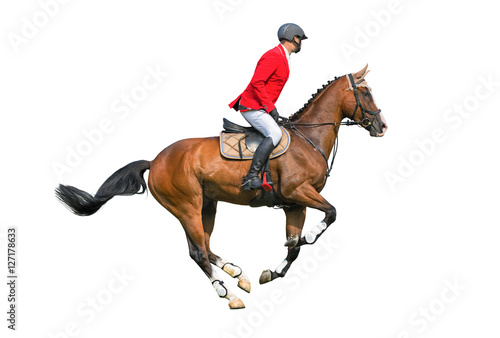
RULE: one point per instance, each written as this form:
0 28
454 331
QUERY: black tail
126 181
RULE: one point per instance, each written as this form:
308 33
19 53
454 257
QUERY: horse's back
196 165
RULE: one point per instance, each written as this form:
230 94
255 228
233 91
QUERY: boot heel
266 186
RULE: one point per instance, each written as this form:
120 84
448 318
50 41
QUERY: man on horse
256 103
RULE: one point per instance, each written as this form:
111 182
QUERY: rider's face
298 45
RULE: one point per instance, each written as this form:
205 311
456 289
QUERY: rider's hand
274 114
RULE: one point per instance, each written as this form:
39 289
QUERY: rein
288 124
365 122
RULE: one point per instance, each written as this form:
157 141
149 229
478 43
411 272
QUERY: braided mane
301 110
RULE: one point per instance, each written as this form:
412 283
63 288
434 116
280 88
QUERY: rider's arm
266 66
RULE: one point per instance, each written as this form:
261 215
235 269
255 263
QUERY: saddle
239 143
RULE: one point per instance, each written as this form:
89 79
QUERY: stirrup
252 183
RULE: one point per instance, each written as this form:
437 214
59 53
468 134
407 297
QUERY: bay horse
190 177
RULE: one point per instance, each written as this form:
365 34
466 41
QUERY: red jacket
267 82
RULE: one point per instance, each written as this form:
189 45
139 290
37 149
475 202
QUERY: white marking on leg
231 269
220 288
235 272
280 267
219 262
315 232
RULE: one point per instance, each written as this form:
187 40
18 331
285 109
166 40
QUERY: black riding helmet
288 31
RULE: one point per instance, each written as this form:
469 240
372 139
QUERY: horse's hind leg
199 253
200 256
189 214
208 216
232 270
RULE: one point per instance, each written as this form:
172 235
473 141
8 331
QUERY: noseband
365 122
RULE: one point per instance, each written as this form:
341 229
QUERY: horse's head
358 104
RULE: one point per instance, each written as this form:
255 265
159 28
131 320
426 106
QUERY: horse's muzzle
378 126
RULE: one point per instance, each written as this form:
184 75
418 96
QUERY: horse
189 178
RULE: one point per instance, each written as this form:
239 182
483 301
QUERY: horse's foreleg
295 218
308 196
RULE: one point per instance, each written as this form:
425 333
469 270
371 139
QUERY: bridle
365 122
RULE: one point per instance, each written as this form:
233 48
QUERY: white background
392 251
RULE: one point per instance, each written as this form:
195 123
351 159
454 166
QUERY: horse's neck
324 109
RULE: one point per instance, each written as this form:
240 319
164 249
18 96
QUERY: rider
256 103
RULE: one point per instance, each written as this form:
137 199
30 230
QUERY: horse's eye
366 94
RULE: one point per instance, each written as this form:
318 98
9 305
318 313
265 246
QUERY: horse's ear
362 73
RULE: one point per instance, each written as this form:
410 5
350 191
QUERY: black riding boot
261 155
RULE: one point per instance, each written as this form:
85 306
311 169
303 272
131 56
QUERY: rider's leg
252 180
266 125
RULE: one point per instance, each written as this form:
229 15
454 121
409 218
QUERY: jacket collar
284 53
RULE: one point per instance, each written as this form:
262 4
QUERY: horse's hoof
292 241
236 304
265 277
244 285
